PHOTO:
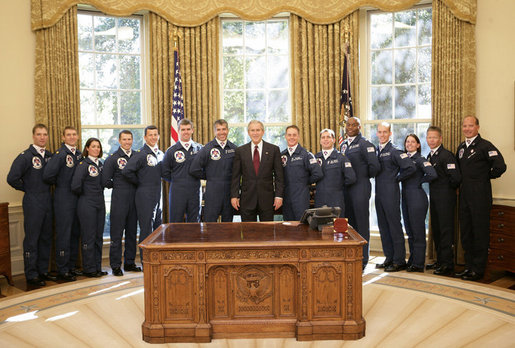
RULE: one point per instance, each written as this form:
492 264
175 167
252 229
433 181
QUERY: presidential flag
346 110
177 101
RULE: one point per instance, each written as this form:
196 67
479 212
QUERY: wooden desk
236 280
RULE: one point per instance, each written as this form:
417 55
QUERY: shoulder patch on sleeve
451 166
312 161
371 149
348 165
427 164
403 155
492 153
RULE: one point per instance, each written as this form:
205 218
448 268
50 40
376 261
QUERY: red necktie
255 159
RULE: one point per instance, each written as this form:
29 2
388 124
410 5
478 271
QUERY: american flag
178 101
345 101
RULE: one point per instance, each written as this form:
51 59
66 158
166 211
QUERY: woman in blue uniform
415 203
87 183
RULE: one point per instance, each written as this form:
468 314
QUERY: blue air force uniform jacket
87 184
123 216
59 171
184 188
395 167
215 165
144 171
442 203
26 174
480 162
414 208
337 172
362 154
301 169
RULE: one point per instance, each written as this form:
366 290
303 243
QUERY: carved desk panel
235 280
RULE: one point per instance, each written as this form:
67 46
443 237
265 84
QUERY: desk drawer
502 259
502 241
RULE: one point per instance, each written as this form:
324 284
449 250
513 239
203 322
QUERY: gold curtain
453 84
198 57
193 13
57 97
317 52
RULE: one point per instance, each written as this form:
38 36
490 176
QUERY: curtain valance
45 13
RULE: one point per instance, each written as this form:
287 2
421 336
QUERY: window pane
424 64
107 72
381 30
129 72
105 33
255 39
107 107
86 70
256 106
381 103
254 71
278 106
400 131
405 28
371 134
237 135
129 35
405 106
233 72
232 32
130 108
382 67
233 107
278 72
87 107
275 135
424 101
425 26
405 65
421 132
277 37
85 25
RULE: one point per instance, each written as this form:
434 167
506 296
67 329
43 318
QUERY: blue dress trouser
123 217
184 200
218 201
91 211
414 211
357 200
148 211
67 230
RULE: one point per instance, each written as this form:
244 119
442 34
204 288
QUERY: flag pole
345 97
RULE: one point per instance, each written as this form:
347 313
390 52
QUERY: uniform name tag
492 153
403 155
371 149
451 166
312 161
332 161
353 146
385 154
229 151
348 165
427 164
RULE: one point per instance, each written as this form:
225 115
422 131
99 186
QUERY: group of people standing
254 180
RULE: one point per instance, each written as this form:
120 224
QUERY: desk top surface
245 234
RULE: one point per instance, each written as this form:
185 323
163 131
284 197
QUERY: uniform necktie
42 151
255 159
72 150
290 150
155 149
186 146
409 154
468 142
325 154
222 144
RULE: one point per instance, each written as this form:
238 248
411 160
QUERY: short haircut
220 122
151 127
385 124
293 127
125 131
185 122
414 136
355 118
38 126
434 129
69 128
88 143
474 117
258 122
330 131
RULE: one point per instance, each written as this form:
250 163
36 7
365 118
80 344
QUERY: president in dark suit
257 177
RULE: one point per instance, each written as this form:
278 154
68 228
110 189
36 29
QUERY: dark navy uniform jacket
112 173
144 169
26 172
337 171
447 169
362 155
424 173
60 168
87 181
395 166
301 169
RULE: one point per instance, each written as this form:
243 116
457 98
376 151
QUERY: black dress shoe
433 265
461 274
102 273
414 268
36 282
444 271
394 267
76 272
67 277
472 276
48 276
132 268
384 264
92 274
117 272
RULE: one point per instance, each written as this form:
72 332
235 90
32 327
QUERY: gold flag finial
176 37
